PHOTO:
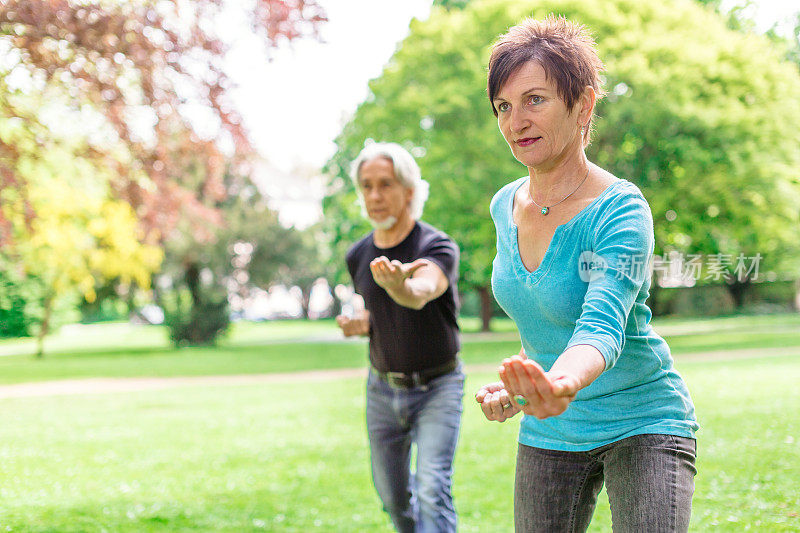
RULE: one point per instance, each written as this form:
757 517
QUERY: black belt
399 380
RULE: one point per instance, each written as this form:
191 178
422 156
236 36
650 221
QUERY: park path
114 385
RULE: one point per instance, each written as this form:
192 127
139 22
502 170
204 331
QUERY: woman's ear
586 102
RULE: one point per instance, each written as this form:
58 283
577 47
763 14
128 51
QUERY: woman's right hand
496 403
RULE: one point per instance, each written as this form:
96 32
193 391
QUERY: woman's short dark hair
564 49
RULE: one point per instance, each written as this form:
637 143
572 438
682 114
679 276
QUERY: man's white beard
384 224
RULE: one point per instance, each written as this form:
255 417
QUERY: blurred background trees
116 133
127 176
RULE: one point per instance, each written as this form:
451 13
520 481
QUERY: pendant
545 210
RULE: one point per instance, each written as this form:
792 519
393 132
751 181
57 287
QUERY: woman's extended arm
550 393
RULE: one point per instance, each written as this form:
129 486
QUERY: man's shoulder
359 246
430 233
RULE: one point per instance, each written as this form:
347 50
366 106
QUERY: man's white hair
405 169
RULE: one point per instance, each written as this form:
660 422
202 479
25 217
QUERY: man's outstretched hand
392 275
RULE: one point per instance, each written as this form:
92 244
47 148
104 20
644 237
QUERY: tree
141 85
250 249
451 4
80 236
149 71
702 118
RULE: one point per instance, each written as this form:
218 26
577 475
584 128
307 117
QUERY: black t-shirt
402 339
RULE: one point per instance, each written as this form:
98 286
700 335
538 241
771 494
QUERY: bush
13 321
713 300
20 302
199 325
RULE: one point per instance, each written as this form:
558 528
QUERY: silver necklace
546 209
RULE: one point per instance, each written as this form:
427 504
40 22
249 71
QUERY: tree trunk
652 300
797 295
193 282
48 313
487 306
336 309
738 290
305 302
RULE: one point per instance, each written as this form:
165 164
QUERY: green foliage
249 249
17 297
22 302
199 324
702 118
107 306
279 254
451 4
81 237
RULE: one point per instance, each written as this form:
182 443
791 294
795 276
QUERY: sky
296 102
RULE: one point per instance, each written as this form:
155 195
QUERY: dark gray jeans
649 480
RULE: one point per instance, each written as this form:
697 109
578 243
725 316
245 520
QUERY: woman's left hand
495 402
546 393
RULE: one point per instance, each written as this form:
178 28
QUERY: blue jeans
430 417
649 480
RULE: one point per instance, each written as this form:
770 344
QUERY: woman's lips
527 141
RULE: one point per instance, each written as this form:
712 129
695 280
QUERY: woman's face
535 121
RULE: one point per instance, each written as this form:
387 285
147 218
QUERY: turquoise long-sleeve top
591 288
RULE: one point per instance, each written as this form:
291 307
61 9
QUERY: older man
406 271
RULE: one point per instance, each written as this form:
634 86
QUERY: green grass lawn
293 457
107 350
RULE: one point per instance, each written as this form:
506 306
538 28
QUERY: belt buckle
398 380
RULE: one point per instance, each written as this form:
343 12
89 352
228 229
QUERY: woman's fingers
491 407
522 380
504 380
537 376
544 395
486 389
495 404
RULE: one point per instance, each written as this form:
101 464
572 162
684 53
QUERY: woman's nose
518 121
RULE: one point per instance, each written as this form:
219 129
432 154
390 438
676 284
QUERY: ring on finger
506 405
520 399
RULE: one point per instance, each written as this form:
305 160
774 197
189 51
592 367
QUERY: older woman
601 399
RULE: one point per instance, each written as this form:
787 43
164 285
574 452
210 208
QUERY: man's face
385 198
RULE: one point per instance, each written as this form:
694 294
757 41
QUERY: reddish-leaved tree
157 59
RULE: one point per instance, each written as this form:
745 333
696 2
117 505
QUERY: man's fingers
379 264
414 266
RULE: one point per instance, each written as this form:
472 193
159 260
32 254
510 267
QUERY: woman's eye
503 107
535 100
